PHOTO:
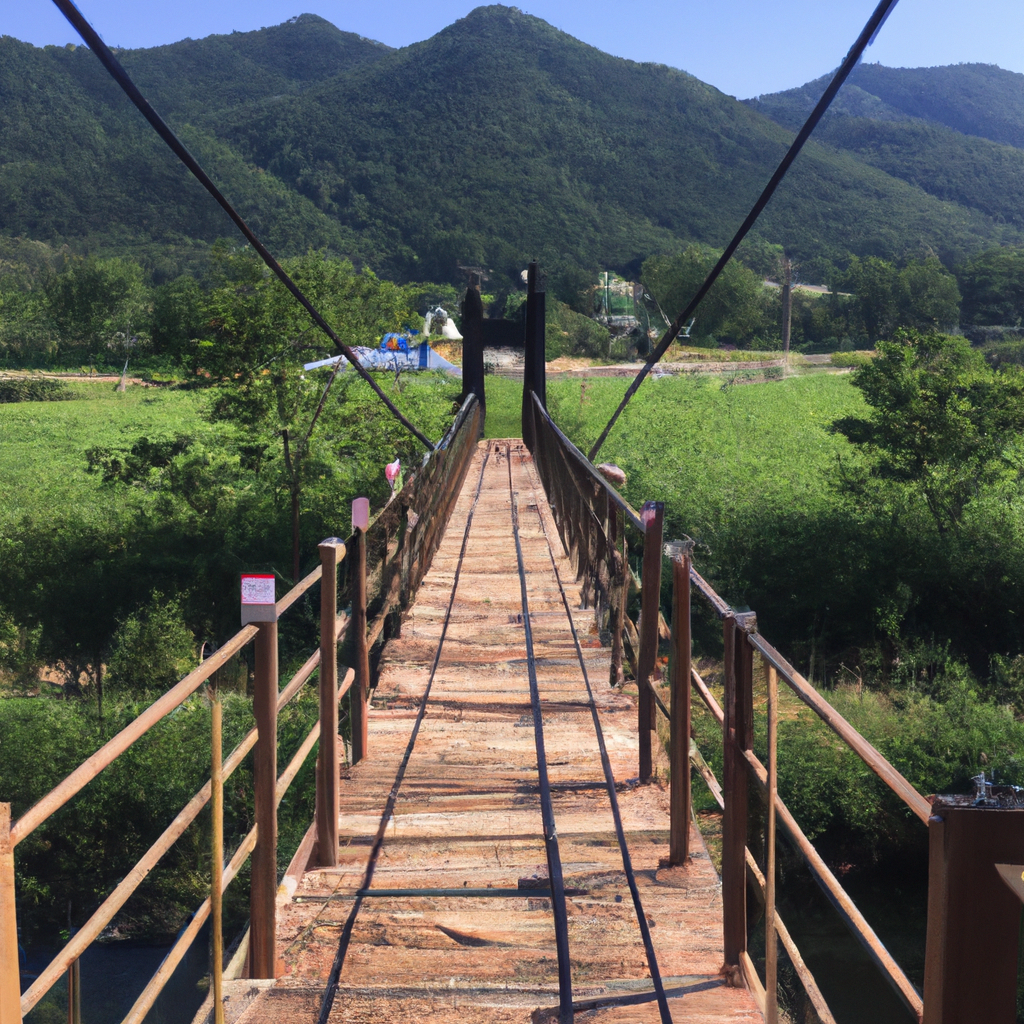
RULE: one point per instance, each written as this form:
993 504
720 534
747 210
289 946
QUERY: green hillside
79 165
499 139
973 99
956 132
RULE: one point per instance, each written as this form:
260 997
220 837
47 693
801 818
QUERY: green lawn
43 444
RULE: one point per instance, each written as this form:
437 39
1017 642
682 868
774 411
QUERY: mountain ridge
498 139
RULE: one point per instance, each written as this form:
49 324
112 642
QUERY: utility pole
787 302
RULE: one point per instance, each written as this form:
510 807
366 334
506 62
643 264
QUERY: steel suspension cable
867 36
118 73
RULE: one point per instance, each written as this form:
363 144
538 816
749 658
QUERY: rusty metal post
332 551
263 889
473 345
971 953
653 516
529 359
736 737
771 946
679 836
10 975
361 654
217 854
75 993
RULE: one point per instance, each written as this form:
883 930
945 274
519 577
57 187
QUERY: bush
152 649
34 389
850 359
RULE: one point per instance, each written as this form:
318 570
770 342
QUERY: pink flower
392 470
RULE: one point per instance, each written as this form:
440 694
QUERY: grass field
705 448
43 444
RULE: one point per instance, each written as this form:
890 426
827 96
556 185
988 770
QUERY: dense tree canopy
942 421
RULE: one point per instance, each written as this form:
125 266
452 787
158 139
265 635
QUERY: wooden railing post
679 838
737 737
332 551
361 654
771 947
10 975
653 517
263 888
971 951
217 854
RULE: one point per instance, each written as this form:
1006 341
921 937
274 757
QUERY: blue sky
744 47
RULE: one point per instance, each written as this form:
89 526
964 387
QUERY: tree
152 648
97 304
873 281
993 287
943 423
922 295
736 307
257 339
927 296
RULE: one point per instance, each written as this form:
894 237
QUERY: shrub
153 648
33 389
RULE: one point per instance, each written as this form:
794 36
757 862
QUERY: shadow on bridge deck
441 903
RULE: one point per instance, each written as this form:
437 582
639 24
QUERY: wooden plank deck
464 817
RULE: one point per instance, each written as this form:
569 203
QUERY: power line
866 37
118 73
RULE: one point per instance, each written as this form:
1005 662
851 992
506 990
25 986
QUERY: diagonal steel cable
118 73
867 36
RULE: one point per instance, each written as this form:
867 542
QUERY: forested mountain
973 99
956 132
498 139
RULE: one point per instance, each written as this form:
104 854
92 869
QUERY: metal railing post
361 654
529 420
263 889
653 517
737 736
74 975
971 951
10 976
217 854
331 552
679 797
473 345
771 955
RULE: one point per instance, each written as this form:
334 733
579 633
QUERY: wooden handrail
558 466
846 732
708 592
837 895
148 996
163 974
584 464
104 914
113 748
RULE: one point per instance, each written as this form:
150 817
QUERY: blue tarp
416 357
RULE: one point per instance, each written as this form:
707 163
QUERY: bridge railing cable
397 550
123 79
601 531
866 37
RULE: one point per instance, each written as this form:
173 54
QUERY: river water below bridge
113 976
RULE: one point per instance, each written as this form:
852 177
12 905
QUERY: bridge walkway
443 903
